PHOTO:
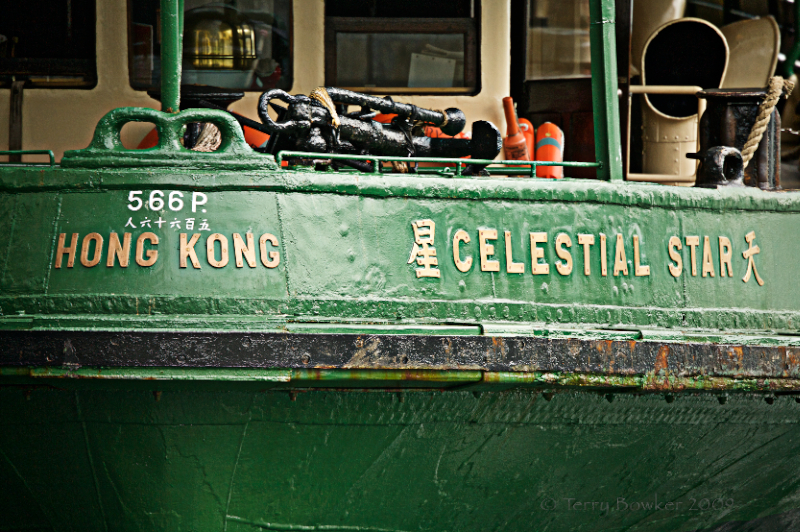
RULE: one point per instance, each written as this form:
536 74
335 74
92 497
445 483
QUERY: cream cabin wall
63 119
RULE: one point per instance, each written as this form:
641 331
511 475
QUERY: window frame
57 67
469 27
129 22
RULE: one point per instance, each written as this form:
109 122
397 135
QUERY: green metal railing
49 153
608 147
529 166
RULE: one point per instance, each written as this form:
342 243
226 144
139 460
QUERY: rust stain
604 346
739 352
791 362
661 360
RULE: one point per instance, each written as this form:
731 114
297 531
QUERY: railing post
171 54
605 102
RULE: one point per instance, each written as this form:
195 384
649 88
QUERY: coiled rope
777 87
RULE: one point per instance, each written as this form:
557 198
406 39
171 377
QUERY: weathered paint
209 417
126 459
657 361
357 229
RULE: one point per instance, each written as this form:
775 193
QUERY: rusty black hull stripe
376 351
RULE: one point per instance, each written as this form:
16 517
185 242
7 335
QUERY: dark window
239 45
409 47
48 43
558 40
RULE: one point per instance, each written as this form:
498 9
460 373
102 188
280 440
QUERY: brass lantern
219 47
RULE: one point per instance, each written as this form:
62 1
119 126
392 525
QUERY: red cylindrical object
530 134
550 147
514 145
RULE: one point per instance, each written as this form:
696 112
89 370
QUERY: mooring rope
777 87
209 139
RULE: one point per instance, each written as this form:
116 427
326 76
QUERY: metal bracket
106 149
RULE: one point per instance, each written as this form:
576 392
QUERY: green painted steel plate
126 459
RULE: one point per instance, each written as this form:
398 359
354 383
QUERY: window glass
48 43
558 39
239 45
402 47
411 60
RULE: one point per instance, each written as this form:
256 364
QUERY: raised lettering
725 253
70 251
239 249
151 254
117 251
487 250
693 242
638 269
603 255
564 268
98 249
223 245
620 260
708 261
587 241
462 265
511 266
273 258
537 253
674 247
187 250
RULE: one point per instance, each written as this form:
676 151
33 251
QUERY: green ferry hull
86 455
294 359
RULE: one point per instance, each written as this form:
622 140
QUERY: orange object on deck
530 134
514 145
550 147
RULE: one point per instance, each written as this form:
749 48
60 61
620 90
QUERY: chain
790 131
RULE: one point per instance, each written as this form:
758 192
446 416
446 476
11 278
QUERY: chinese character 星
423 251
748 254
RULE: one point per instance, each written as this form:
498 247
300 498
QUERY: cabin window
48 43
237 45
551 72
558 40
409 47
